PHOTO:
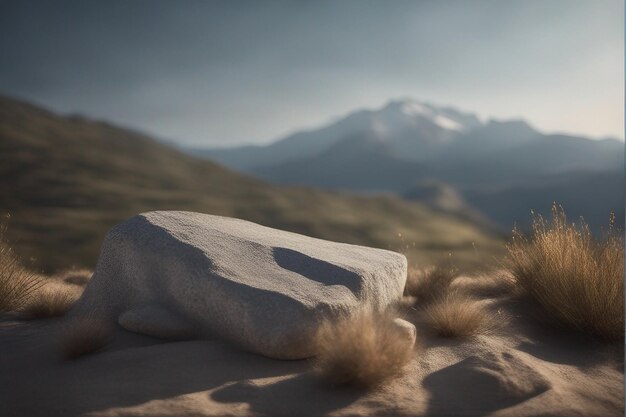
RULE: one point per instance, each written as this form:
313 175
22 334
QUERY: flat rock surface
263 289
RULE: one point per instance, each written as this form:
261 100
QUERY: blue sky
212 73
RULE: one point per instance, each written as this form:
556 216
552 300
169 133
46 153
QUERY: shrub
85 336
17 284
363 350
577 279
454 314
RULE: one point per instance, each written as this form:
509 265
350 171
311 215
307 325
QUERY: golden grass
85 336
456 315
577 279
47 303
426 285
17 283
364 350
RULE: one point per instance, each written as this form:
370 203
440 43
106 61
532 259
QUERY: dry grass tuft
426 285
48 303
456 315
578 280
364 350
85 336
17 284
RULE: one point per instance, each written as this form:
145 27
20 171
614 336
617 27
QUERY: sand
523 368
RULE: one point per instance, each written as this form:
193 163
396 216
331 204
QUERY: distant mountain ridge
67 180
407 142
395 119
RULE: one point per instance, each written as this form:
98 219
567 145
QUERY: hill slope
67 180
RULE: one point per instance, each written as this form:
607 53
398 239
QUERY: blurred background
428 127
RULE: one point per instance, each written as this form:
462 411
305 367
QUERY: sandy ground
523 368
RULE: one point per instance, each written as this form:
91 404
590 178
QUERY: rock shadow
302 395
132 371
477 387
316 269
569 350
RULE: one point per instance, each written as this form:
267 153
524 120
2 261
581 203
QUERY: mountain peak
412 112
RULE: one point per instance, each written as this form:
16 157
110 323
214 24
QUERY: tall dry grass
17 284
577 279
24 292
363 350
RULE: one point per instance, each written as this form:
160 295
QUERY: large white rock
181 274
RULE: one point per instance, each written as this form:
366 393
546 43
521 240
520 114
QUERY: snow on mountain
405 114
414 108
446 123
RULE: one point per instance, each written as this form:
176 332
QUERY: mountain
67 180
402 119
361 162
502 169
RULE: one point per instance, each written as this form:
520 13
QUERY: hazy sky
223 73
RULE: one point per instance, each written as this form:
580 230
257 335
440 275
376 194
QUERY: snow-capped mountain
402 114
409 127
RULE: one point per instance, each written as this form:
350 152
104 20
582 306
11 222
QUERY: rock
170 273
156 321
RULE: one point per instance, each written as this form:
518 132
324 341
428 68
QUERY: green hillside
67 180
